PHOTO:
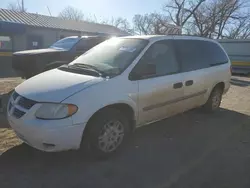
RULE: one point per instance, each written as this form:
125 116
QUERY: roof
234 40
38 20
162 37
87 37
147 37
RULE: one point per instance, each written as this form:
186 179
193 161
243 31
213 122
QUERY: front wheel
214 101
107 132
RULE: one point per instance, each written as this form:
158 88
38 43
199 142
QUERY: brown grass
7 84
8 138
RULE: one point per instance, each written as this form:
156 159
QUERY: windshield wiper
89 67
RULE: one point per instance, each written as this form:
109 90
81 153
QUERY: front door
160 82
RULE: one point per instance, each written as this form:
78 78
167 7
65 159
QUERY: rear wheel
214 101
107 132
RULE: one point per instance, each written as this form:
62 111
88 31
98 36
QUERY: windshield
66 43
113 56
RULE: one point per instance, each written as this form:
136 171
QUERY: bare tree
121 23
142 24
213 18
71 13
17 6
153 24
238 29
180 11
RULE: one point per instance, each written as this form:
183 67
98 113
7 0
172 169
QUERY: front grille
22 102
18 113
26 103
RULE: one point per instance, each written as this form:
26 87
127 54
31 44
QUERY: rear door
195 69
202 67
159 81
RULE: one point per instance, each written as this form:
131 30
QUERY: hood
39 51
55 85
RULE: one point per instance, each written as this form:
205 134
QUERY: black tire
98 126
214 100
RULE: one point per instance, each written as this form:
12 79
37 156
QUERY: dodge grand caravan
117 86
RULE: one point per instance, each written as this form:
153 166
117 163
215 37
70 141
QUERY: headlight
55 111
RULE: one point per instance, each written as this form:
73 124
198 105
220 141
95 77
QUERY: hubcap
111 136
216 99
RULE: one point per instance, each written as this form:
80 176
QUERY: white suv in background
119 85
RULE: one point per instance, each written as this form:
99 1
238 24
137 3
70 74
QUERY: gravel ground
7 84
189 150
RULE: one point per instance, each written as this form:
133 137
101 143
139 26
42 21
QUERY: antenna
49 10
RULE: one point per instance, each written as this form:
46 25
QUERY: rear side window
195 54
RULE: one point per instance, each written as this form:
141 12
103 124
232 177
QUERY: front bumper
51 140
46 135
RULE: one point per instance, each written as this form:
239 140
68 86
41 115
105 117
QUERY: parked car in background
31 62
239 54
117 86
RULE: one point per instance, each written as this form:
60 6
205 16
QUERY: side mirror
143 71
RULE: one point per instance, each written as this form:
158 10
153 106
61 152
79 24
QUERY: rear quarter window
198 54
216 55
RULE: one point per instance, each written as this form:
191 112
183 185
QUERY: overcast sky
102 9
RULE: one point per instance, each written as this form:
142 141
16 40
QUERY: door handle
178 85
189 82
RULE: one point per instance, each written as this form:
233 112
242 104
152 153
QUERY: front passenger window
158 60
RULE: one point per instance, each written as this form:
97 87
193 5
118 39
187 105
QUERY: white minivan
117 86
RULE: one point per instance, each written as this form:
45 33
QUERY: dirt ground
190 150
7 137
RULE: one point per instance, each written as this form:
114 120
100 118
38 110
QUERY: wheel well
220 85
122 107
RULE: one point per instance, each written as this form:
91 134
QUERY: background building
24 31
